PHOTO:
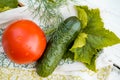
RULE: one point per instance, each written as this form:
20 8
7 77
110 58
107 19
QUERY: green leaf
98 36
93 37
80 41
82 15
8 4
84 54
93 15
94 21
95 40
102 38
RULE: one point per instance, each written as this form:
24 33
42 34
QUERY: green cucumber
58 45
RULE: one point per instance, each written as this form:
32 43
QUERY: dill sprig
48 13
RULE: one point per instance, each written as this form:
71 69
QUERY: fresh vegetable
93 37
58 45
23 41
8 4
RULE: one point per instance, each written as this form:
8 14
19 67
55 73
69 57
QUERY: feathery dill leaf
48 13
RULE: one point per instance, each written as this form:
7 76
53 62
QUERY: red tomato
23 42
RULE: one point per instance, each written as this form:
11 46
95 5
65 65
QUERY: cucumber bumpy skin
58 45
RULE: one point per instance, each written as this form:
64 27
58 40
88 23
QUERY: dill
48 13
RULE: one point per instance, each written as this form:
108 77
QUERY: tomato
23 41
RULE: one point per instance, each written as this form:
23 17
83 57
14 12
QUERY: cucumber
58 45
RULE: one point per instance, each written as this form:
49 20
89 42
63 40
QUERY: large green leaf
85 48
